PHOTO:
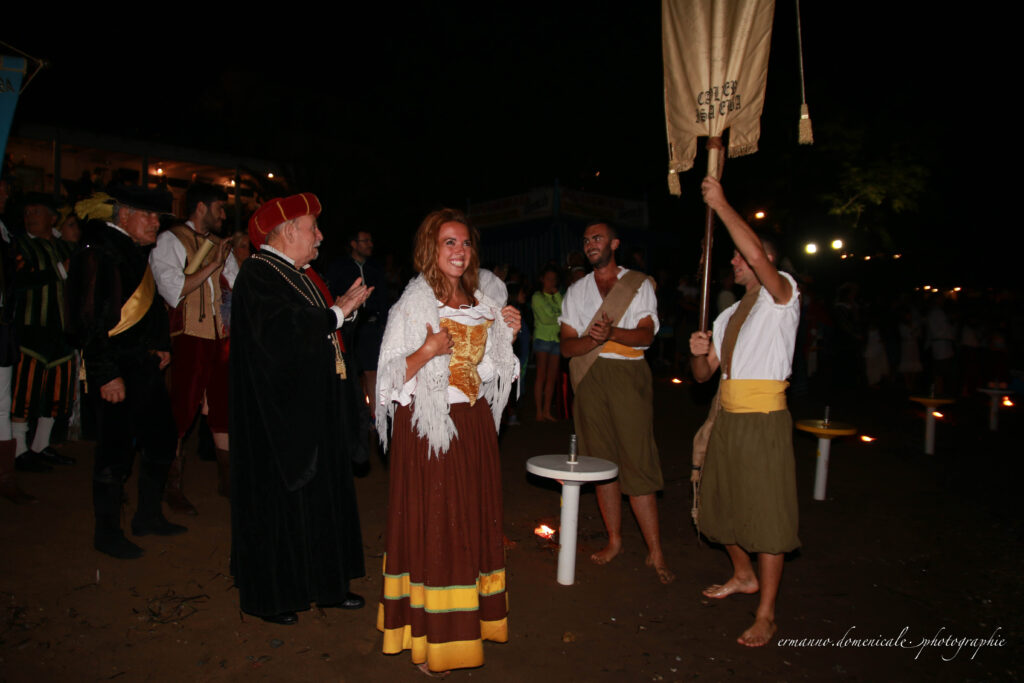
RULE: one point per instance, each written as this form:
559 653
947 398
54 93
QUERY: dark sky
388 112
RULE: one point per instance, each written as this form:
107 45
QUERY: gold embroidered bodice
469 344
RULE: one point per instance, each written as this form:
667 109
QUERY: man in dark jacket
121 326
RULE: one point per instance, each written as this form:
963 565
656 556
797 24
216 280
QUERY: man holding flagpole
748 484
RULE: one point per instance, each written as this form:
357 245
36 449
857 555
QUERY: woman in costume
445 371
547 306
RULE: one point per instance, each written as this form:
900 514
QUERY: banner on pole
12 71
716 66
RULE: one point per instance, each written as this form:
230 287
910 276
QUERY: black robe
295 535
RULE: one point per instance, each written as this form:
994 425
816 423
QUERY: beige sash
614 306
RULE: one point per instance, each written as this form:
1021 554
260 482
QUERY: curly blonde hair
425 253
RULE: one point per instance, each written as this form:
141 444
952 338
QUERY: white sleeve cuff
404 396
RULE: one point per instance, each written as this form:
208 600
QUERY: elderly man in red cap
295 536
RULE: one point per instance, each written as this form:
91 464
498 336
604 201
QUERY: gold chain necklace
339 361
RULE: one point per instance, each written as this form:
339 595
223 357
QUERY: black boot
109 539
205 447
9 488
224 472
149 516
174 494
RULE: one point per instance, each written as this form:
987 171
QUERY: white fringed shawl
406 331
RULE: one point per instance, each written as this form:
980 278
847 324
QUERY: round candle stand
825 431
995 397
930 403
571 476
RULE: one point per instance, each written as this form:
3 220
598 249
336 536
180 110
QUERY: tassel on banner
673 184
806 135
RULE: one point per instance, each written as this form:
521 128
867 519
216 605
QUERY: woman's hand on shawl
436 344
512 318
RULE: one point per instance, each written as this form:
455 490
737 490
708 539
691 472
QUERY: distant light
596 174
232 182
159 171
837 244
927 287
270 175
1007 402
811 248
867 439
843 256
676 380
957 289
759 215
936 414
897 255
867 258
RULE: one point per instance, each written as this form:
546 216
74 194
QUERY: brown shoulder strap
619 297
732 330
614 306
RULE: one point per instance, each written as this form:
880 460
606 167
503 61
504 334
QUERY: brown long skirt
444 570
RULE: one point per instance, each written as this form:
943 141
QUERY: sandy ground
906 547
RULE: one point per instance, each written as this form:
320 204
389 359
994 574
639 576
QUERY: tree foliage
875 181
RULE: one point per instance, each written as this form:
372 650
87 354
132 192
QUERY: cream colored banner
716 66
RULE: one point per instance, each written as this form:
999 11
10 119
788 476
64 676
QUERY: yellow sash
621 349
753 395
137 305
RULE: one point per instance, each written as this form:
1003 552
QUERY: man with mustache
608 319
121 326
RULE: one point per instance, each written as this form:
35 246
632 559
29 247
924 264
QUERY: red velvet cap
279 210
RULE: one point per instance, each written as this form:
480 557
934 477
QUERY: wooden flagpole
716 160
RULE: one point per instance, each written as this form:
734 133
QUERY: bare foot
759 634
733 585
548 417
433 674
605 556
665 574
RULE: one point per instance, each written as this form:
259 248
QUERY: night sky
389 112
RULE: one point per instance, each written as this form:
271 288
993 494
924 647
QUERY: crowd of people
118 316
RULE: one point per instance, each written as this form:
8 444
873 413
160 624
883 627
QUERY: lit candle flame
937 414
676 380
544 531
867 439
1007 402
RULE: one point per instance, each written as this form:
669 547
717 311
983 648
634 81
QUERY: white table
825 431
571 476
995 397
930 403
